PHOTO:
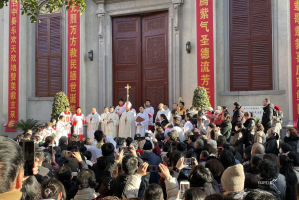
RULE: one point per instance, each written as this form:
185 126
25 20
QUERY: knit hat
237 104
233 178
147 144
277 108
213 143
247 151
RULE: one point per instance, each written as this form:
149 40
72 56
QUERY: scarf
99 145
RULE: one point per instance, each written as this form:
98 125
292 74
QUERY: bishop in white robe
141 126
150 111
112 122
78 122
93 120
103 118
127 126
120 108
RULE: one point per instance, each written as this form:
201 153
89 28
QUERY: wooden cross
128 87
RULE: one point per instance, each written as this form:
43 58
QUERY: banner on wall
294 25
205 47
13 71
73 57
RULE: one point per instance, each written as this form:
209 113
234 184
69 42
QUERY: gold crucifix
128 87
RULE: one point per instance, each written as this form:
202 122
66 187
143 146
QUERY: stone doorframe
105 47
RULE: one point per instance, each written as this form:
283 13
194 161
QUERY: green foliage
26 125
200 98
32 7
257 121
60 101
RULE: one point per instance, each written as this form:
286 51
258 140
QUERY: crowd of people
191 154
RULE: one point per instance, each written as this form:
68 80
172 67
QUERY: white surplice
93 124
127 128
112 128
67 118
168 114
188 126
134 111
150 111
62 129
140 128
48 132
158 115
103 124
119 110
78 124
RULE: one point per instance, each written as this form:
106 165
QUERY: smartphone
68 154
28 151
153 168
125 149
184 186
188 161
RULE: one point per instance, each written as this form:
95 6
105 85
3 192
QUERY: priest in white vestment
120 108
127 126
167 112
62 128
111 122
141 126
150 111
103 118
161 111
134 111
93 120
67 117
78 122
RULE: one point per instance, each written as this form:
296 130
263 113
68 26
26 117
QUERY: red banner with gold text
73 57
13 71
205 47
294 24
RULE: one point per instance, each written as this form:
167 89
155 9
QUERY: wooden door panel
155 58
127 58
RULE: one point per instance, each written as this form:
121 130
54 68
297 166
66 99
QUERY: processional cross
128 87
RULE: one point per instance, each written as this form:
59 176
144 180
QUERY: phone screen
184 186
153 168
68 154
28 151
187 161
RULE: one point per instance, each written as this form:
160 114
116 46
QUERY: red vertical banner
205 47
294 25
13 71
73 57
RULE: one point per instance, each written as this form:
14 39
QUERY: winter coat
238 116
70 189
238 141
259 137
240 195
267 115
275 187
86 194
249 131
277 127
152 159
210 188
190 147
198 152
100 167
292 141
296 170
226 128
271 145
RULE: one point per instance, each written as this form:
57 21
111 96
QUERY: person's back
86 182
43 172
64 175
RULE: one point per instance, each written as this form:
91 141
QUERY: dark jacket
238 141
63 147
210 188
267 115
99 168
292 141
70 189
240 195
274 187
226 128
117 185
43 174
152 159
238 116
190 147
198 152
271 145
249 131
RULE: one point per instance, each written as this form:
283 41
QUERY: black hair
164 117
142 107
51 188
153 192
66 107
61 116
258 194
129 164
107 149
167 148
87 154
183 103
286 169
294 155
239 125
192 138
158 124
137 136
86 179
129 140
121 99
194 193
64 175
268 170
209 148
148 101
226 115
227 159
188 115
82 149
30 189
166 105
34 138
181 146
285 147
190 154
174 112
256 159
105 107
48 141
176 156
250 181
78 108
200 176
160 137
112 107
215 167
98 135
